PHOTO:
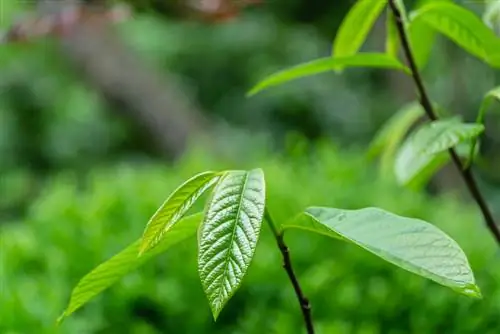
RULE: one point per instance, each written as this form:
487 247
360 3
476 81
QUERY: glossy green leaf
409 243
461 26
109 272
175 207
488 99
370 60
355 27
229 234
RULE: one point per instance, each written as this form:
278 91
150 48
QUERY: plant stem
425 101
305 306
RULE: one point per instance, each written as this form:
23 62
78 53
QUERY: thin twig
425 101
305 306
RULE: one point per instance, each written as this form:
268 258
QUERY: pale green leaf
109 272
370 60
355 27
461 26
409 243
229 234
175 207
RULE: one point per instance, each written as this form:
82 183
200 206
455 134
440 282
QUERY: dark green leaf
229 234
408 243
371 60
175 207
109 272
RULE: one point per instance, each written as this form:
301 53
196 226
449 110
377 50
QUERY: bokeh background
97 127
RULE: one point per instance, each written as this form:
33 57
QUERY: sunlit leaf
175 207
409 243
370 60
229 234
355 27
109 272
462 26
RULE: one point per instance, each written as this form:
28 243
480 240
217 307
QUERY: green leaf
229 234
461 26
392 36
424 152
355 27
422 37
409 243
488 99
109 272
372 60
175 207
439 136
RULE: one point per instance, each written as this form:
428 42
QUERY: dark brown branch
425 101
305 306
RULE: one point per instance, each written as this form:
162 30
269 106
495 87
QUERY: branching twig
305 306
425 101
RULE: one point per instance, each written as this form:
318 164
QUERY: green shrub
77 222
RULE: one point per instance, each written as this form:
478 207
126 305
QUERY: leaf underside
109 272
411 244
175 207
229 233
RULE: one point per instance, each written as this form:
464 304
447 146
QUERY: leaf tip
472 290
253 91
61 318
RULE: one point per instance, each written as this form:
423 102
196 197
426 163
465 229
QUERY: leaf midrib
229 253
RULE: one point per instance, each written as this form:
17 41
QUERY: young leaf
175 207
229 234
463 27
488 99
109 272
411 244
355 27
373 60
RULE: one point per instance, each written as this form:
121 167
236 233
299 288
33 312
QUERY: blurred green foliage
77 222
